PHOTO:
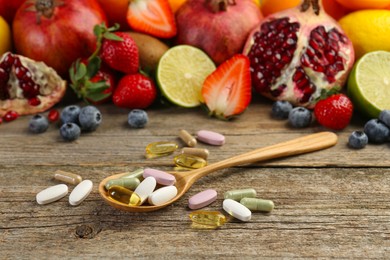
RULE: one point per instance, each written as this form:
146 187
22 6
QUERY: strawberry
134 91
154 17
227 91
109 78
121 55
334 111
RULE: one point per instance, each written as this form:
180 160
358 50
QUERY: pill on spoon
80 192
202 199
237 210
142 192
162 195
161 177
210 137
52 194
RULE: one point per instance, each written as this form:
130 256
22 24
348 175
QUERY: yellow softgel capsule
189 161
135 200
120 194
207 219
158 149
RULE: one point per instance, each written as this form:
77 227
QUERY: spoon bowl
184 180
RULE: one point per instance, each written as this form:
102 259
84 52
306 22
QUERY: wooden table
330 203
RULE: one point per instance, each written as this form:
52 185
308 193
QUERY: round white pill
162 195
80 192
210 137
236 209
52 194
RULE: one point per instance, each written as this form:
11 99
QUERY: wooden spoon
184 180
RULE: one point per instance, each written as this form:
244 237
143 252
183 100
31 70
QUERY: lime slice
181 72
369 83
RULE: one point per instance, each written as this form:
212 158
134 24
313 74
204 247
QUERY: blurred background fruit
5 36
175 4
116 11
272 6
364 4
335 9
8 9
369 30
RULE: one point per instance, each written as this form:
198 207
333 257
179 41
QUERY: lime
181 72
369 83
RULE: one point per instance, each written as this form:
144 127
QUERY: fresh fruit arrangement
199 53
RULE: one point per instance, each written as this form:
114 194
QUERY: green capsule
120 194
207 219
237 195
138 173
158 149
128 183
189 161
255 204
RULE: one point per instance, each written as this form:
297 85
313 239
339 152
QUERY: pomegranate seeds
53 115
10 116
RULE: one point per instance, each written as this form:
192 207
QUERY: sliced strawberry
227 91
154 17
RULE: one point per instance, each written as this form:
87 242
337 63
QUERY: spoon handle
306 144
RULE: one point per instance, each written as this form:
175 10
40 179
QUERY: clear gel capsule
157 149
199 152
142 192
255 204
187 138
189 161
134 174
129 183
67 177
207 219
237 195
120 194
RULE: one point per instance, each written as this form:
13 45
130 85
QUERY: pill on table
236 209
189 162
52 194
67 177
162 195
200 152
256 204
162 148
80 192
187 138
120 194
142 192
239 194
134 174
207 219
129 183
210 137
202 199
161 177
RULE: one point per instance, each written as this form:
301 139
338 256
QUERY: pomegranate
57 32
217 26
27 86
296 53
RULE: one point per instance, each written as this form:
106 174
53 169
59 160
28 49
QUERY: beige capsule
199 152
67 177
187 138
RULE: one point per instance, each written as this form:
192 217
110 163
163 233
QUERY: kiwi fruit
150 51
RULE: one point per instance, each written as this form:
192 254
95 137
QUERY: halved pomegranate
27 86
296 53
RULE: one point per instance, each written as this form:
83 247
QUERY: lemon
5 36
181 72
369 30
369 83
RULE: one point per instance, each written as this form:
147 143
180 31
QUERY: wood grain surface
333 203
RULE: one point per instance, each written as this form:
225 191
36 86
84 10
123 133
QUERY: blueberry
384 116
376 131
90 118
357 140
299 117
137 118
70 131
70 114
38 124
281 109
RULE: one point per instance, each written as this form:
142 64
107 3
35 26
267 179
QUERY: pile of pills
79 193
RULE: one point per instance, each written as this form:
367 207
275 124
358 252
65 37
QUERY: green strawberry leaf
97 86
96 96
81 71
112 36
93 66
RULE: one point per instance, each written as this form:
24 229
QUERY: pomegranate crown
314 4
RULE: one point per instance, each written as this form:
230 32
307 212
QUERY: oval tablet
210 137
202 199
51 194
236 209
161 177
80 192
162 195
142 192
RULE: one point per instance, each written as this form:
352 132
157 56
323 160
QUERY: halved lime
181 72
369 83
